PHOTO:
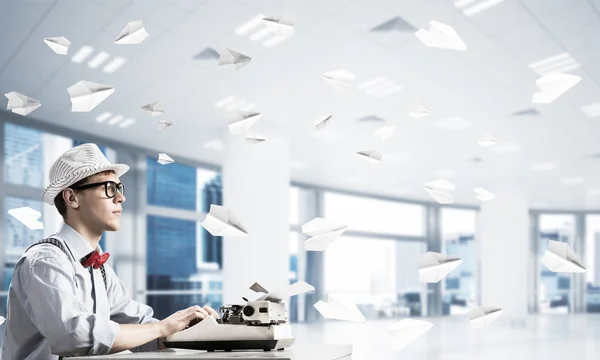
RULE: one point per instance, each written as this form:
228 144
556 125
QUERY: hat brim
63 183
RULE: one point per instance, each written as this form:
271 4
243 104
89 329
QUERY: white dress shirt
58 307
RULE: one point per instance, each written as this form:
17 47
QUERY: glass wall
554 289
592 262
375 263
458 239
184 260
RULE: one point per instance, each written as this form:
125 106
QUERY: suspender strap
61 246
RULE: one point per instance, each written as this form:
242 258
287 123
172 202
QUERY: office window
210 188
294 239
380 276
374 215
23 157
458 239
295 206
592 263
172 186
554 288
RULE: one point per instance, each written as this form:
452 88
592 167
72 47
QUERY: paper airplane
322 121
281 26
2 319
221 222
163 124
322 234
133 33
85 95
337 308
441 36
21 104
482 316
433 266
155 108
418 112
440 191
164 159
372 156
552 86
385 132
59 45
487 140
340 79
559 257
255 139
294 289
230 57
406 331
245 120
483 195
28 217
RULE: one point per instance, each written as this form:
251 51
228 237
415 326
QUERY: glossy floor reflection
547 337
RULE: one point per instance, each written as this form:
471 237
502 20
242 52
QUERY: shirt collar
76 243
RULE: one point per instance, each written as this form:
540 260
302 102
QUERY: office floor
547 337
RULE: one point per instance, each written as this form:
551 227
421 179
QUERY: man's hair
60 203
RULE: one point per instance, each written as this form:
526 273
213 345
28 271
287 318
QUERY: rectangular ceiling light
98 59
379 87
592 110
256 30
127 123
472 7
104 116
115 119
114 65
82 54
231 103
562 62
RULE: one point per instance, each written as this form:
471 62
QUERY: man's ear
71 198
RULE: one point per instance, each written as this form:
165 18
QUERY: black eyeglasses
110 188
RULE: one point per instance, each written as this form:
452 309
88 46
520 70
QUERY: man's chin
112 227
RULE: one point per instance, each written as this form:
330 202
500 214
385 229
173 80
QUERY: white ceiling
485 84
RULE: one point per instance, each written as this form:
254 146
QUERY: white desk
332 352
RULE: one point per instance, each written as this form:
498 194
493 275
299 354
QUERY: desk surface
330 352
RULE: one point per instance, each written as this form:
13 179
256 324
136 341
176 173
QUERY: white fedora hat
76 164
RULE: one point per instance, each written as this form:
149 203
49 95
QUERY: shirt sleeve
125 310
60 316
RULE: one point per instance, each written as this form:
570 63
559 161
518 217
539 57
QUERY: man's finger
211 311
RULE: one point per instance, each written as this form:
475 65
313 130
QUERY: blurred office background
544 169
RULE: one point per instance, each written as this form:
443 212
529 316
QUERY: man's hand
185 318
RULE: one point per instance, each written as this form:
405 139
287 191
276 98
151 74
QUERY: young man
63 299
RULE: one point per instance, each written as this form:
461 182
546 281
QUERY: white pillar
256 181
503 241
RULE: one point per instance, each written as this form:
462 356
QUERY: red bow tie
94 259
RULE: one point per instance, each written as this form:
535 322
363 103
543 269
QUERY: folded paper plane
59 45
28 217
434 266
418 112
483 316
384 133
482 194
322 121
342 80
164 159
85 95
220 221
230 57
163 124
281 26
373 157
440 190
21 104
322 233
243 122
441 36
559 257
338 308
552 86
487 140
155 108
133 33
294 289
